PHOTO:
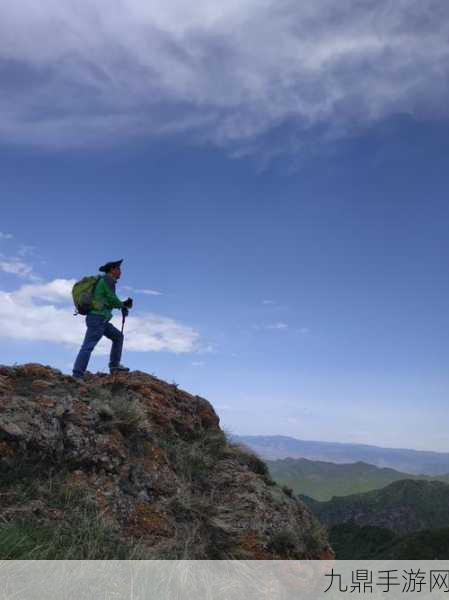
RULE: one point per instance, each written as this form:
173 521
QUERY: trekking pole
123 319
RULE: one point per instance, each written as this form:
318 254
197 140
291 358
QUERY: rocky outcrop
147 460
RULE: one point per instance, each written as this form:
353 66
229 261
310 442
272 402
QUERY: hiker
97 320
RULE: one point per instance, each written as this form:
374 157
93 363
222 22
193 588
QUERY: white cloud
280 325
226 72
208 349
6 236
25 250
58 290
144 291
153 332
16 266
42 312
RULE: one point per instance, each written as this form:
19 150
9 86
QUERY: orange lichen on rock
5 384
41 384
45 401
113 443
80 407
252 546
152 455
140 387
37 370
208 417
149 457
148 520
6 449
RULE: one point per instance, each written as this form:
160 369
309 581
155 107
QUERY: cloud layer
225 72
14 265
42 312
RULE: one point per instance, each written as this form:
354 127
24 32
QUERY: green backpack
83 293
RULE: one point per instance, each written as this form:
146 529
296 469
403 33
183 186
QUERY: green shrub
127 415
283 544
252 461
287 491
194 460
84 537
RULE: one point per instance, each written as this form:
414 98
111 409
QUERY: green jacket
104 298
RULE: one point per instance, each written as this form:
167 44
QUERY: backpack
83 293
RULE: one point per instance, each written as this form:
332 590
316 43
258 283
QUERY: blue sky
282 215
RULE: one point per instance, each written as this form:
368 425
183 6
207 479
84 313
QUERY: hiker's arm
112 299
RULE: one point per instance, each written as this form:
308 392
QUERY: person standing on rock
97 321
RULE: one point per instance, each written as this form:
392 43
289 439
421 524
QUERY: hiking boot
118 369
78 377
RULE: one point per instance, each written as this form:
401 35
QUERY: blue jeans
97 327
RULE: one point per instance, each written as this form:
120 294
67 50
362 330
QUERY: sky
274 176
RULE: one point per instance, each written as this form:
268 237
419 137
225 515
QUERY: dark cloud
228 73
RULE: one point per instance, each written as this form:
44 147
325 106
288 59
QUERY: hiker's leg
95 329
116 336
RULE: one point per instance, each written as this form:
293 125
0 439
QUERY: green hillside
323 480
404 507
351 542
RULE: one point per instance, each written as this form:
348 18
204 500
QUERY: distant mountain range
416 462
323 480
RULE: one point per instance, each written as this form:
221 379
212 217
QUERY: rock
59 410
11 430
153 460
5 384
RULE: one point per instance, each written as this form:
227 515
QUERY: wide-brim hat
110 265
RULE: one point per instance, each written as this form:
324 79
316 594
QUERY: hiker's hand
128 303
125 311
